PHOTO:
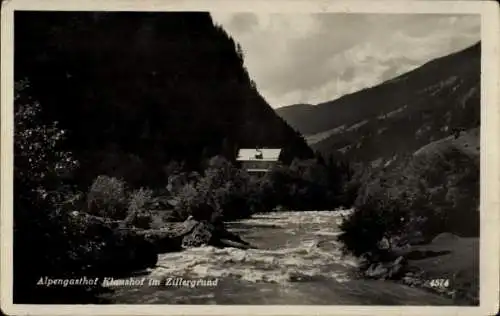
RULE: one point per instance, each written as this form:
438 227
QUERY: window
258 164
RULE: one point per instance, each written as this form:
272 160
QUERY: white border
490 175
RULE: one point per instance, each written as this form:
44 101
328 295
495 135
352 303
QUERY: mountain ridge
400 115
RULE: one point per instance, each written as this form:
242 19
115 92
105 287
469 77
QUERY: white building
258 161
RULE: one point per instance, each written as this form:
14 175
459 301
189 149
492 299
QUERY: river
298 261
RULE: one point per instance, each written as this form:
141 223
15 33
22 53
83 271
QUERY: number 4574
439 282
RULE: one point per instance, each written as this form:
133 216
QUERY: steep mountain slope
295 114
468 142
136 90
434 101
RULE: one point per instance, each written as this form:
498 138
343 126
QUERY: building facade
258 161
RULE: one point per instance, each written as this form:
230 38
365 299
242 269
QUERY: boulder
192 233
400 261
376 271
411 280
232 243
386 270
394 271
200 235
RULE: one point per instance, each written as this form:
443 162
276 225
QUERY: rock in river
127 249
191 233
386 270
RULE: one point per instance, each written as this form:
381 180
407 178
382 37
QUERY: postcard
250 157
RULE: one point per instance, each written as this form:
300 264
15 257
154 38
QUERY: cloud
243 22
311 58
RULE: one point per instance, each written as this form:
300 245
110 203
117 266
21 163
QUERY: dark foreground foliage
46 241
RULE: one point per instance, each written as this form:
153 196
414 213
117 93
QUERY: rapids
298 261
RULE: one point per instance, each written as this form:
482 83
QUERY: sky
312 58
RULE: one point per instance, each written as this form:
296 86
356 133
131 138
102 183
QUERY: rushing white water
285 251
297 261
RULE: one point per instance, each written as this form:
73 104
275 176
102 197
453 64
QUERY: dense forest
137 90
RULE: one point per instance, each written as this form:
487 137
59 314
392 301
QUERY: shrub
39 162
413 201
353 182
452 179
261 195
107 198
380 215
310 184
139 207
43 230
192 200
229 186
222 192
231 193
177 180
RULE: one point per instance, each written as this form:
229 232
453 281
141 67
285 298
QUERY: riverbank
448 266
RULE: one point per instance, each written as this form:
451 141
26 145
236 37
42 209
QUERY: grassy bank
449 266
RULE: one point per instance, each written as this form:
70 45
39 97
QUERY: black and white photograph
243 157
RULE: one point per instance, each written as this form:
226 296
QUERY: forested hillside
137 90
434 101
